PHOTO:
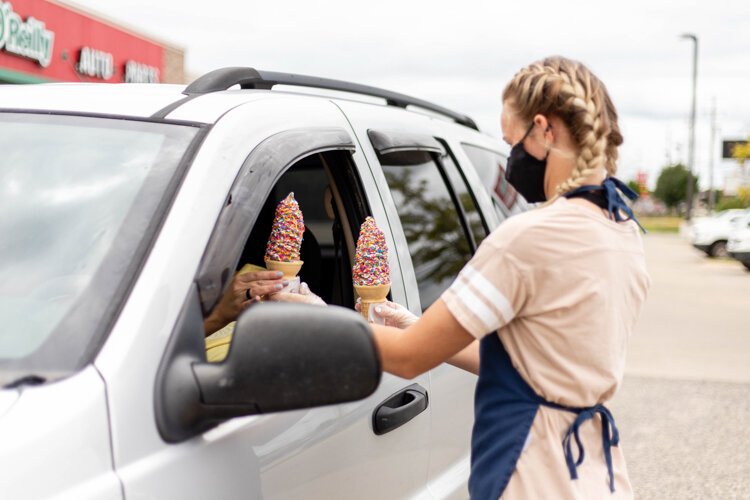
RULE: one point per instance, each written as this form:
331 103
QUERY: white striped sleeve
488 292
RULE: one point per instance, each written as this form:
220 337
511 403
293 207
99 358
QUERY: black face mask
526 173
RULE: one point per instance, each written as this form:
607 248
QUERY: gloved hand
303 296
394 314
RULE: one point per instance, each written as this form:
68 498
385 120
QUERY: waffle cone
290 269
371 295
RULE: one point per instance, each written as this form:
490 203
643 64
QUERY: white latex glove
303 296
394 314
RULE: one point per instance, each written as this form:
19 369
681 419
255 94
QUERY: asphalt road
684 407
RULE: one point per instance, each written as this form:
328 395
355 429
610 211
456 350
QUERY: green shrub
729 202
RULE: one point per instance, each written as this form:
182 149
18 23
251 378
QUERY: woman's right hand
394 314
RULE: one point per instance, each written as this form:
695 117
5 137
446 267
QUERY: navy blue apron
504 409
505 405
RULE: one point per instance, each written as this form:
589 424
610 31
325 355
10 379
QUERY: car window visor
390 142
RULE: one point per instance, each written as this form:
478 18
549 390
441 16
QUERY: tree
741 152
671 186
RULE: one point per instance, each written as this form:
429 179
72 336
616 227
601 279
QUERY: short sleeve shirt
563 287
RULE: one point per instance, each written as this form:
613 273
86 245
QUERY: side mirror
282 357
291 356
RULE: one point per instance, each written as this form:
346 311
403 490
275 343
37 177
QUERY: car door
437 225
327 452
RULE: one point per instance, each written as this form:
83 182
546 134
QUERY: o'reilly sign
27 39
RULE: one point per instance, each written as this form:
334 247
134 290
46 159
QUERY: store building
52 41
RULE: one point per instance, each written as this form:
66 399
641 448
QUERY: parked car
739 241
127 209
710 234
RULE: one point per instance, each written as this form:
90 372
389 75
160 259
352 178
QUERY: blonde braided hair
567 89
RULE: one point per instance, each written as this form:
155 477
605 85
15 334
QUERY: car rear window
491 169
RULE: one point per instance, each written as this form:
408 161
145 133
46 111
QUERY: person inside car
248 286
253 283
544 309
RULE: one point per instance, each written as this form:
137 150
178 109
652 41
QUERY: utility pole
691 139
712 154
668 149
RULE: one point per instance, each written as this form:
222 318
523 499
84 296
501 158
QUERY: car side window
491 169
435 230
471 213
333 206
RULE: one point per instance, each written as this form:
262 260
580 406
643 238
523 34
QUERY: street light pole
711 201
691 139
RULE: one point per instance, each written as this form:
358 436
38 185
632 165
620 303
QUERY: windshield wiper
25 380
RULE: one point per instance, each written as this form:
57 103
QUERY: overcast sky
460 54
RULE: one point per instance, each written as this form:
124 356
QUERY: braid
591 134
615 137
567 89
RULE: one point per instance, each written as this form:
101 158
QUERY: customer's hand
394 314
251 287
245 289
303 296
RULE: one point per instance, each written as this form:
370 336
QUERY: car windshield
80 200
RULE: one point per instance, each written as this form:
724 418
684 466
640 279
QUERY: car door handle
399 408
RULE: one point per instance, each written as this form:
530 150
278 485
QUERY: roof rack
250 78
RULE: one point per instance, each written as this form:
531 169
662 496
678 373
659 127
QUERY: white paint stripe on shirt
490 292
463 283
474 304
460 283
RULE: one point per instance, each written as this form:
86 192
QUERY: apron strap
611 189
610 437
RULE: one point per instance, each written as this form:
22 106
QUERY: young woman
552 295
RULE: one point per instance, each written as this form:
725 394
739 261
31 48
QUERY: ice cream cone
290 269
371 295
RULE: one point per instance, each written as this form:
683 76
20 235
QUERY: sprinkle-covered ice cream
286 235
371 257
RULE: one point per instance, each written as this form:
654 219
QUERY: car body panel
738 245
63 430
452 392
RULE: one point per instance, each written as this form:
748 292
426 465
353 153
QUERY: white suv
739 241
126 209
710 234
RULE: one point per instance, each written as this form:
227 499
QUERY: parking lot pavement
684 408
696 321
685 440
